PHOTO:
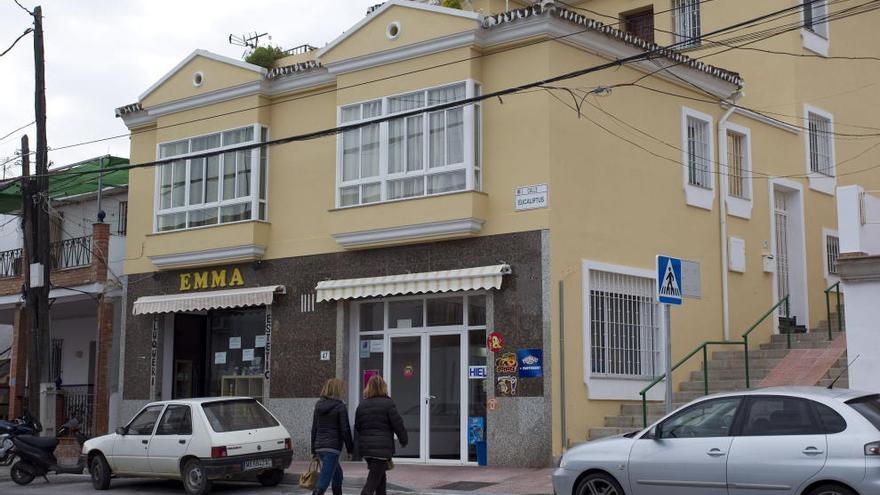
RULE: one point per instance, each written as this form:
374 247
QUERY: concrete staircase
727 374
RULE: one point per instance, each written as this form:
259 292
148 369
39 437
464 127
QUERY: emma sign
212 279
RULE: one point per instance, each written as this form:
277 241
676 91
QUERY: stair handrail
834 287
704 347
784 301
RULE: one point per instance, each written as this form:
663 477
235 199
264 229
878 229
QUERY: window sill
814 43
739 207
823 183
604 387
699 197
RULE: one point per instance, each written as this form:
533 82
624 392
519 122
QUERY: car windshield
237 415
869 407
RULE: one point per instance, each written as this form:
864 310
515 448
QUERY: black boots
337 490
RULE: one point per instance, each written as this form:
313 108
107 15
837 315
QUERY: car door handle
145 442
715 453
182 442
812 451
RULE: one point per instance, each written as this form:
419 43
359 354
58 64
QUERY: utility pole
30 301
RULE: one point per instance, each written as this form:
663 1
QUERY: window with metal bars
737 165
699 173
816 16
122 218
55 358
624 326
820 144
832 252
639 23
686 19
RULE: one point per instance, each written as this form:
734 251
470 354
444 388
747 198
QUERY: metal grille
832 251
781 213
820 145
698 153
686 16
55 356
122 218
71 253
307 303
640 23
736 165
624 325
79 403
10 263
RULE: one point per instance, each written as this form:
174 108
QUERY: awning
201 301
482 277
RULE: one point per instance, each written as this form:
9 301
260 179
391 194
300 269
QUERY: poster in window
247 355
235 342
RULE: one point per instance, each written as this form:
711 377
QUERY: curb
348 482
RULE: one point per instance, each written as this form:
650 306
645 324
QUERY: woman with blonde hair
330 430
375 424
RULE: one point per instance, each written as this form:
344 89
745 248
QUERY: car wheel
271 477
195 481
21 473
598 484
100 472
831 490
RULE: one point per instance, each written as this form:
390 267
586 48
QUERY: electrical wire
16 130
25 33
23 7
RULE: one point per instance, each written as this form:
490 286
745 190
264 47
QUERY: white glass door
406 377
444 399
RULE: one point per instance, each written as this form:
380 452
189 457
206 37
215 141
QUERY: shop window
237 352
477 392
477 311
639 23
372 317
405 314
219 188
445 311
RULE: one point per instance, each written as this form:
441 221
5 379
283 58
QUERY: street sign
669 280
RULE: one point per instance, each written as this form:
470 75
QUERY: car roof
198 401
817 393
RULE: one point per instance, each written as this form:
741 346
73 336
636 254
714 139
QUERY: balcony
205 246
440 217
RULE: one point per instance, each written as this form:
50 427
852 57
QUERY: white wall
858 220
77 334
10 232
863 334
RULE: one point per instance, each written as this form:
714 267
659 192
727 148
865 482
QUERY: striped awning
202 301
482 277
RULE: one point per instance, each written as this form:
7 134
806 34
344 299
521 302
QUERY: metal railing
79 403
704 347
10 263
298 50
836 289
71 253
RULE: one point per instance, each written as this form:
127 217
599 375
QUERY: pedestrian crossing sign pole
669 292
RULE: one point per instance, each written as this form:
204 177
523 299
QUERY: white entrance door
783 277
425 378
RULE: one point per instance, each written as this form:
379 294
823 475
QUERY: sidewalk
421 478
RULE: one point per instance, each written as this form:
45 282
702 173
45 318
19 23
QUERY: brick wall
102 380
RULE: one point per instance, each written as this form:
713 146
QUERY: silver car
772 441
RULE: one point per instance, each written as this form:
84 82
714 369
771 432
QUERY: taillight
218 452
872 449
288 444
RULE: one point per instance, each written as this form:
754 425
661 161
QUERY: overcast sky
102 54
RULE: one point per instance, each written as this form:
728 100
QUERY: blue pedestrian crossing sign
669 280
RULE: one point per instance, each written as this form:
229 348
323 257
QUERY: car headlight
563 462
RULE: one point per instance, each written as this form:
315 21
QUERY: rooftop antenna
831 385
249 41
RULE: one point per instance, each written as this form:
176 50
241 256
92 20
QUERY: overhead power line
25 33
16 130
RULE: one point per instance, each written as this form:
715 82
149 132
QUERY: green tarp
71 181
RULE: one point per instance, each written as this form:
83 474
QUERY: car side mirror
654 433
121 431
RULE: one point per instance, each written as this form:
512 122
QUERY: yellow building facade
389 204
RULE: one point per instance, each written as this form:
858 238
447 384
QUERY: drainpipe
722 216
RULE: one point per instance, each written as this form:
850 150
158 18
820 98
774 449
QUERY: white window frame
253 197
700 197
681 10
609 387
472 163
830 278
824 183
817 41
737 206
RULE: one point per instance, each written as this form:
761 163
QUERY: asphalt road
75 485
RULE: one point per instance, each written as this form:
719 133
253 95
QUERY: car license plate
257 464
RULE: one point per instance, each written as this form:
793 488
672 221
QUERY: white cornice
248 89
209 256
461 226
415 50
203 53
763 119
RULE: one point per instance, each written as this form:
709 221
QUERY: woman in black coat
330 431
375 424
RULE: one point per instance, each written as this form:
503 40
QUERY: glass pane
371 193
395 146
444 415
405 384
264 169
406 102
446 94
405 314
370 151
238 136
212 172
196 181
177 420
406 188
351 113
452 181
165 187
371 356
174 221
348 196
477 390
712 418
372 316
438 139
372 109
229 175
351 146
200 218
414 143
144 422
262 211
455 136
173 149
244 325
178 183
243 186
869 407
476 310
205 142
238 415
772 416
477 150
235 213
445 311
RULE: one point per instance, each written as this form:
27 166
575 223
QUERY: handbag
390 465
309 479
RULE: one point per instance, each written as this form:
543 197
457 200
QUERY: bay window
430 153
226 187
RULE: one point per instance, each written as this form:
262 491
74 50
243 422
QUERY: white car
196 441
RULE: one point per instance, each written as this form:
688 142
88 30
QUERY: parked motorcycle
23 425
36 455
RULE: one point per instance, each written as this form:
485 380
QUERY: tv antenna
249 41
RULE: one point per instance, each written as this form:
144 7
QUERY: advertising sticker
530 362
